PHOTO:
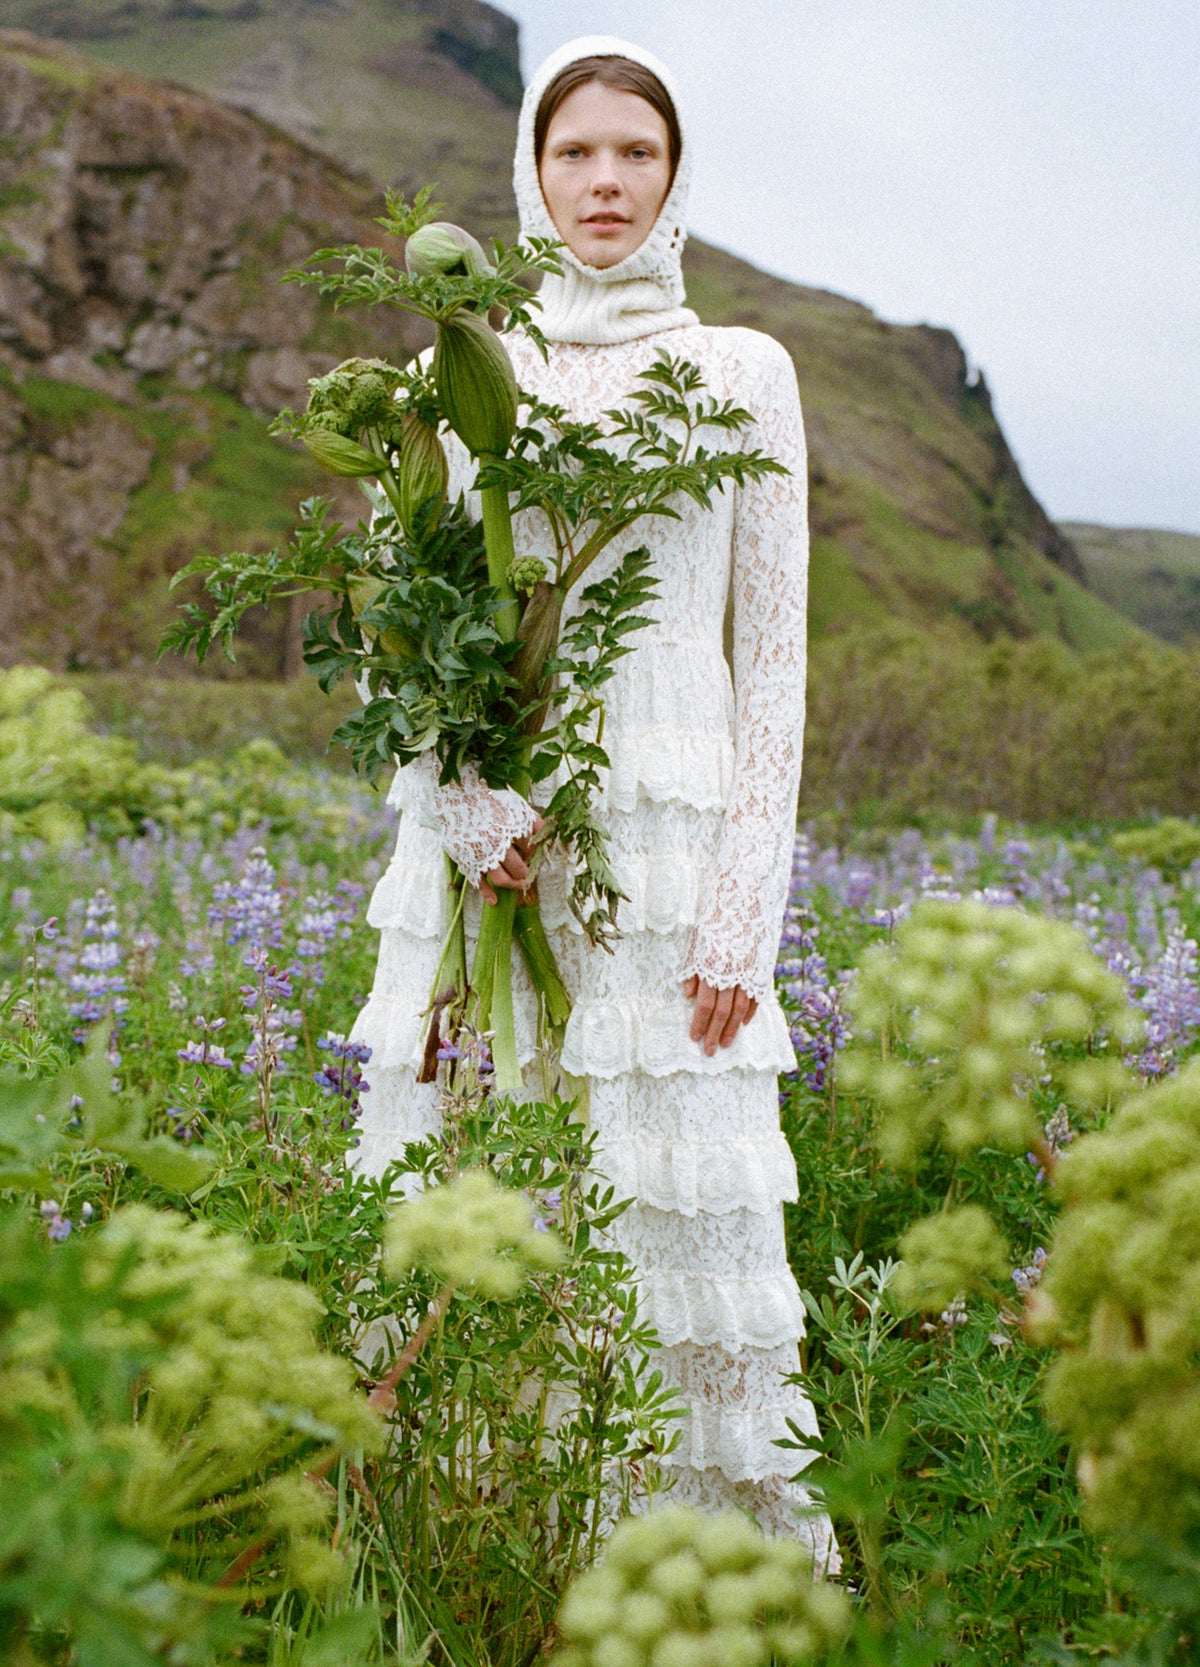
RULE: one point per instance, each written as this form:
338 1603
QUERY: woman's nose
605 180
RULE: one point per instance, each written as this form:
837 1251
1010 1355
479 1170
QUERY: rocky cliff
143 336
144 332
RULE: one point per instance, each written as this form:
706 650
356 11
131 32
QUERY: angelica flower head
678 1588
976 1002
471 1232
947 1255
1118 1296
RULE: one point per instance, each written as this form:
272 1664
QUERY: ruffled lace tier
661 894
720 1278
708 1176
736 1312
739 1410
614 1037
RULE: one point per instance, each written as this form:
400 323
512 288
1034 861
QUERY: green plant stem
491 979
491 970
498 542
539 960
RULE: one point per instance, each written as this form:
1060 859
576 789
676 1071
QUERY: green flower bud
690 1590
340 456
421 472
537 633
476 387
678 1578
617 1651
737 1646
472 1232
525 572
643 1616
444 247
948 1255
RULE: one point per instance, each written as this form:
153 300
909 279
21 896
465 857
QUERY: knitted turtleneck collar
644 292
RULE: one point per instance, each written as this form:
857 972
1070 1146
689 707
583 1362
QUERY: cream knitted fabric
642 293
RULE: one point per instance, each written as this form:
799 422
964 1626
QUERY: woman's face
605 172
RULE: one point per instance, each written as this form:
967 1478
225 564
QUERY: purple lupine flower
997 897
818 1025
324 921
547 1209
801 866
859 887
1058 1133
250 908
342 1076
206 1051
1170 997
95 972
1029 1277
58 1226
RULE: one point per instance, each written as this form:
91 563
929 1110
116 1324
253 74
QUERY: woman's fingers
737 1016
718 1014
509 875
720 1017
702 1012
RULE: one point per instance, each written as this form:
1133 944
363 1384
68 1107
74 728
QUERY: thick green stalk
498 542
543 969
504 1034
483 966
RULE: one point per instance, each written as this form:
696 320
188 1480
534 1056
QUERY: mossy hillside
216 479
1150 575
149 233
385 87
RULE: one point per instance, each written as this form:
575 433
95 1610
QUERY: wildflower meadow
255 1407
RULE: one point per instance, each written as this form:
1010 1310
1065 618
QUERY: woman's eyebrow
573 139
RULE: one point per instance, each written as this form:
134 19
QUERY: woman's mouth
606 220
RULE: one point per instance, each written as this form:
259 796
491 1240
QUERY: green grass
18 193
66 72
61 403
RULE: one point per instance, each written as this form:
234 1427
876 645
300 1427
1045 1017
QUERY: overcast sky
1026 172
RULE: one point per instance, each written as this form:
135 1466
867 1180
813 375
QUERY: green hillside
1150 576
143 228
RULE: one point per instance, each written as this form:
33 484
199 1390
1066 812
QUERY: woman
678 1033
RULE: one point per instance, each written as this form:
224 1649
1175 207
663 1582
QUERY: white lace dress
700 802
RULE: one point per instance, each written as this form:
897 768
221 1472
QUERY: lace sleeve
476 823
737 936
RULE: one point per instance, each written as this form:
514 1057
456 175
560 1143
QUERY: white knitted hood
644 292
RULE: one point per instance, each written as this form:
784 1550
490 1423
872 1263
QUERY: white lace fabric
700 805
477 823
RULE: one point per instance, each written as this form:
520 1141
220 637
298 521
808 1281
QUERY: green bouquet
459 644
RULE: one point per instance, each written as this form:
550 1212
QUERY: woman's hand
719 1014
513 872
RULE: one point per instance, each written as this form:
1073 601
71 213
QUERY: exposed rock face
144 231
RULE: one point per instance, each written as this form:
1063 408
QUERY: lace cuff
732 947
479 823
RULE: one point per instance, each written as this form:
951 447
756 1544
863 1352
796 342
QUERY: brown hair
611 71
